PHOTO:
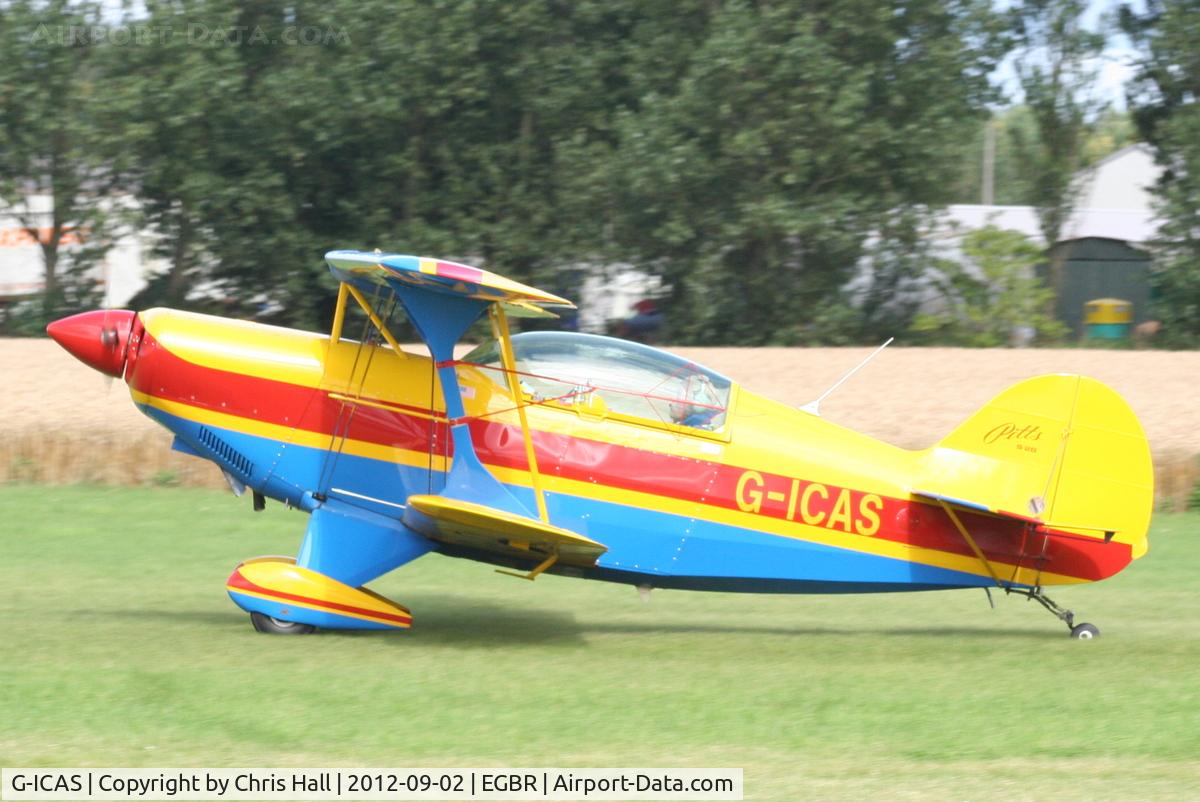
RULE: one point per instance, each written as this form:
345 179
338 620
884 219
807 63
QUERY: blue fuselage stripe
644 545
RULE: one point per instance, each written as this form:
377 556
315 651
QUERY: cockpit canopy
628 378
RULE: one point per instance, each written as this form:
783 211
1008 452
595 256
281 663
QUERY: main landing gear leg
1078 631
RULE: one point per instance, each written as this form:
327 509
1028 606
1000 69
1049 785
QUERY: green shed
1097 267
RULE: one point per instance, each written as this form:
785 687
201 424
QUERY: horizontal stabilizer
478 526
976 506
1050 528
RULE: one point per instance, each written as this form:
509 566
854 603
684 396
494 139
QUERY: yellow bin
1107 318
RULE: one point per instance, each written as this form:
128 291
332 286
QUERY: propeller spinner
99 339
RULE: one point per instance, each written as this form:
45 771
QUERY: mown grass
121 649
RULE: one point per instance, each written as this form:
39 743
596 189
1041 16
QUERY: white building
1113 201
1104 243
121 274
1121 180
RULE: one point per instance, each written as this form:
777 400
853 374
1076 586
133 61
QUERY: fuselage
774 499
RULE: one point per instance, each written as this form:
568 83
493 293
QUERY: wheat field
63 423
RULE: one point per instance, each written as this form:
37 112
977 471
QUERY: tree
1056 73
1009 185
750 153
216 119
1112 130
254 157
1164 97
992 294
54 139
795 132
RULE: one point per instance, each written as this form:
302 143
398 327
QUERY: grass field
121 649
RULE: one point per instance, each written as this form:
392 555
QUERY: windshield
614 375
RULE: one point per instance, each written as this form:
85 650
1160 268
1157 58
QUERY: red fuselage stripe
701 482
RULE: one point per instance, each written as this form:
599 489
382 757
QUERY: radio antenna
815 406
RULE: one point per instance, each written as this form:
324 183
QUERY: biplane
594 457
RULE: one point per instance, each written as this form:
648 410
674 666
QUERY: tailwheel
1078 631
275 626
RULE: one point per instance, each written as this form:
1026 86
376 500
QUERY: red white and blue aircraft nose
99 339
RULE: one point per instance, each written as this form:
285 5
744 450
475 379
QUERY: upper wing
393 270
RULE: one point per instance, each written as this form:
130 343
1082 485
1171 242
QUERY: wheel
274 626
1084 632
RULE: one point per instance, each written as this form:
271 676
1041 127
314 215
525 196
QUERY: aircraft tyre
273 626
1084 632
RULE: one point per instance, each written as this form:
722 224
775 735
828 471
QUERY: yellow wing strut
339 313
379 324
500 326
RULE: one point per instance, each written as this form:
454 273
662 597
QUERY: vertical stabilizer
1066 450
